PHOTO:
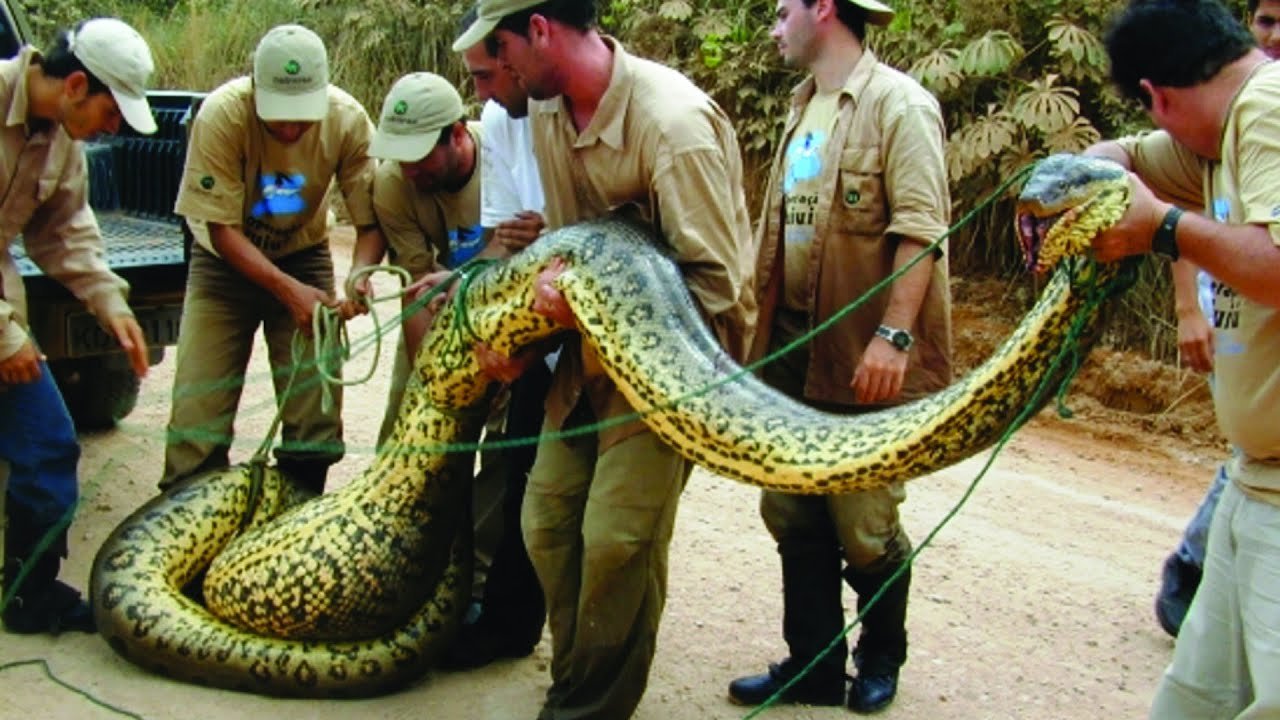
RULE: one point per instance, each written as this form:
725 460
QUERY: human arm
240 253
1195 337
918 204
883 367
701 212
63 239
1243 255
370 248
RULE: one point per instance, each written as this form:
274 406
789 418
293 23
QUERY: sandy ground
1034 601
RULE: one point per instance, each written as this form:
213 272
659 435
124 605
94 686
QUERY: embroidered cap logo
401 108
292 67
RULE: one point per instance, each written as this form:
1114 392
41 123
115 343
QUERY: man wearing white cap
263 153
426 195
857 189
93 75
609 130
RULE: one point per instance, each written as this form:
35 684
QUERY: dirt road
1033 602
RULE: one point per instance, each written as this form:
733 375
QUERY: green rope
44 664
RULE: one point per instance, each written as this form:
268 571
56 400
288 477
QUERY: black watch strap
1165 242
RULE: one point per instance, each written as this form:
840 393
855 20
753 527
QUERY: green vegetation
1017 79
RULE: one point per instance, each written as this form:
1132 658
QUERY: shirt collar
853 86
15 74
609 122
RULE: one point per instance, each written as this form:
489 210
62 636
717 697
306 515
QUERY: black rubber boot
1178 582
309 473
42 603
812 617
882 646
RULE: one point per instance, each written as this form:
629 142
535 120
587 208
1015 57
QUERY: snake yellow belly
356 592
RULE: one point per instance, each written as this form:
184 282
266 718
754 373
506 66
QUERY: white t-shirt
509 176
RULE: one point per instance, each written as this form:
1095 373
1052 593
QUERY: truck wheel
98 391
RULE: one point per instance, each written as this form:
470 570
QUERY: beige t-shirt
801 187
429 231
1242 187
237 174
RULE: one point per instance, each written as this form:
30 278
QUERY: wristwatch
897 337
1165 241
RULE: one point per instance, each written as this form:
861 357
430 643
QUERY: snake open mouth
1032 231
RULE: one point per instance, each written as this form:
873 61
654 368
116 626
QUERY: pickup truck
133 181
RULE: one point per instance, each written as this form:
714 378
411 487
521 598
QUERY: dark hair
1173 43
1253 7
446 132
59 62
577 14
853 16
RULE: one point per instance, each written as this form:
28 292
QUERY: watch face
901 340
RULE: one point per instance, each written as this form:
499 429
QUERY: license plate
86 337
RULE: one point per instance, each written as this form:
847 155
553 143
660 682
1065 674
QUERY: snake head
1067 200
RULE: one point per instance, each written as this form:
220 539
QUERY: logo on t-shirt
464 243
281 196
804 159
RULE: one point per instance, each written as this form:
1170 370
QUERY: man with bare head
1202 79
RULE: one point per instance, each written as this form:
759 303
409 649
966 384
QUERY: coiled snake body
355 593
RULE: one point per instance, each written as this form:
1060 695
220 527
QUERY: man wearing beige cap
613 130
857 189
93 75
264 151
426 195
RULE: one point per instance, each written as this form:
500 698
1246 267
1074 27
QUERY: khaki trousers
598 527
220 316
1227 659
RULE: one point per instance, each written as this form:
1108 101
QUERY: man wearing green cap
858 188
426 195
612 130
264 151
94 75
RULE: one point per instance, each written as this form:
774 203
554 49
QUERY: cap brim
136 111
478 31
303 107
877 12
402 148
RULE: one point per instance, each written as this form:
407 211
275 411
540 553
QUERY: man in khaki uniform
426 195
94 74
255 193
858 188
1202 79
609 130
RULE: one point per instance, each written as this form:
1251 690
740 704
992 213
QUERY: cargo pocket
860 206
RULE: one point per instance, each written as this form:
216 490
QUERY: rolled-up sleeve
915 173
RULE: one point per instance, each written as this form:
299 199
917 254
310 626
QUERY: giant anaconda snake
355 592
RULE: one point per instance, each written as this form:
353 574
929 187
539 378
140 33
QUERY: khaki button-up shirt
883 178
661 145
44 197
